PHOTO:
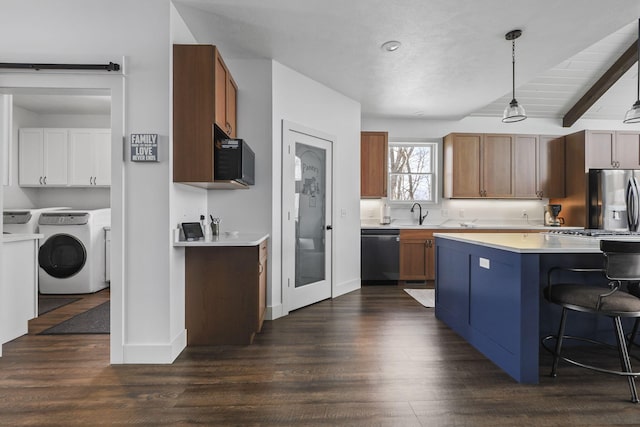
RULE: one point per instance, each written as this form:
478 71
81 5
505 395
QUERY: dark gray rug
46 305
93 321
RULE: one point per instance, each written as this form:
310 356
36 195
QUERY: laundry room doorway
89 111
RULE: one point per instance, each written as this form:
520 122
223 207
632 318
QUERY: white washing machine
23 221
72 252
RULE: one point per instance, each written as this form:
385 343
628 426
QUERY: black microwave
234 160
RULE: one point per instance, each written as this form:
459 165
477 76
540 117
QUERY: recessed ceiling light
390 46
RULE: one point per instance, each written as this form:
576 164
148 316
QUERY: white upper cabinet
42 157
64 157
89 157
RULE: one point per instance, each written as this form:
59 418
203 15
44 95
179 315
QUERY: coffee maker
551 213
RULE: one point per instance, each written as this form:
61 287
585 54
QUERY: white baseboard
273 312
346 287
155 353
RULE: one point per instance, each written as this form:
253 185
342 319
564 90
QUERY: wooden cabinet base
224 295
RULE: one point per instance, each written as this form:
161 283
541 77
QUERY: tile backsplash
467 210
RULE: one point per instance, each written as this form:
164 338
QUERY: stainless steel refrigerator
614 199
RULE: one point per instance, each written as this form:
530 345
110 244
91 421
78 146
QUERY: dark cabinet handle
329 227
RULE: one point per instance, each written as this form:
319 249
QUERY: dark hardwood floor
374 357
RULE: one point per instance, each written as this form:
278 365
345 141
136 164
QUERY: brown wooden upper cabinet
503 166
373 164
610 150
478 165
204 110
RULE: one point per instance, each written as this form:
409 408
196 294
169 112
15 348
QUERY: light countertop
464 225
224 239
529 242
8 238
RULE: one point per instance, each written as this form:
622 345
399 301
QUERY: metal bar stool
622 264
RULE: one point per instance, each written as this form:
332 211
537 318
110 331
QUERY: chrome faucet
420 217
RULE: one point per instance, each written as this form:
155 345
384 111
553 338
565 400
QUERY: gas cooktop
597 233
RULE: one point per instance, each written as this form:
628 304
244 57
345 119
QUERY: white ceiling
61 101
454 60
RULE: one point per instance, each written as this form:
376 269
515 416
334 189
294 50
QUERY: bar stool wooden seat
622 264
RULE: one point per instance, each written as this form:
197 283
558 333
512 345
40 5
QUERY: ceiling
61 101
454 60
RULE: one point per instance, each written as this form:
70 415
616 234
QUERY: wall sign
144 147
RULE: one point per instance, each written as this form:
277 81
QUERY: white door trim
115 83
288 127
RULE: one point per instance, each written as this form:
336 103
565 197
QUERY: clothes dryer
72 253
23 221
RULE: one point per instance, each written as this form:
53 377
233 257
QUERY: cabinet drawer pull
44 180
40 180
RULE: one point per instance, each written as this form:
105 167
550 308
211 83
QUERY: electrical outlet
444 213
524 213
343 213
461 213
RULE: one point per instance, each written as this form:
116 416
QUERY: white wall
507 210
305 102
79 31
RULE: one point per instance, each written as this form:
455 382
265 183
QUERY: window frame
434 172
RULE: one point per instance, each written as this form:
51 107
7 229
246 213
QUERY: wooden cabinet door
262 285
232 95
462 165
497 166
55 157
30 157
413 256
599 149
551 168
417 254
525 166
220 91
430 260
627 150
193 112
373 164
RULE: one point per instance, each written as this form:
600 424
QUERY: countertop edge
581 246
241 239
8 238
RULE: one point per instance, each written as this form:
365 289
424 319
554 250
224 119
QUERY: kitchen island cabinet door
374 148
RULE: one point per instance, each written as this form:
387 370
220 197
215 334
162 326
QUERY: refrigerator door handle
633 204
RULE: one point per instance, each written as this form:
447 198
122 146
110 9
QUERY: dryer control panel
67 218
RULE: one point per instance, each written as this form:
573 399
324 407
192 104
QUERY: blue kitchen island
489 290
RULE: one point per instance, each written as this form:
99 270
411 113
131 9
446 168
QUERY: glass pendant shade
514 112
633 115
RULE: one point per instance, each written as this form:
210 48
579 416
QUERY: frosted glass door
310 206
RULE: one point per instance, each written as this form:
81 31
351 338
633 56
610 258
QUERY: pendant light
514 111
633 115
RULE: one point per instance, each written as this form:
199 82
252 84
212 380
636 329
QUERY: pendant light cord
513 66
638 43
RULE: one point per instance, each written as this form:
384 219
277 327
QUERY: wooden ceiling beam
604 83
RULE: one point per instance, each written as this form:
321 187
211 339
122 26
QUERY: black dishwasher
379 255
